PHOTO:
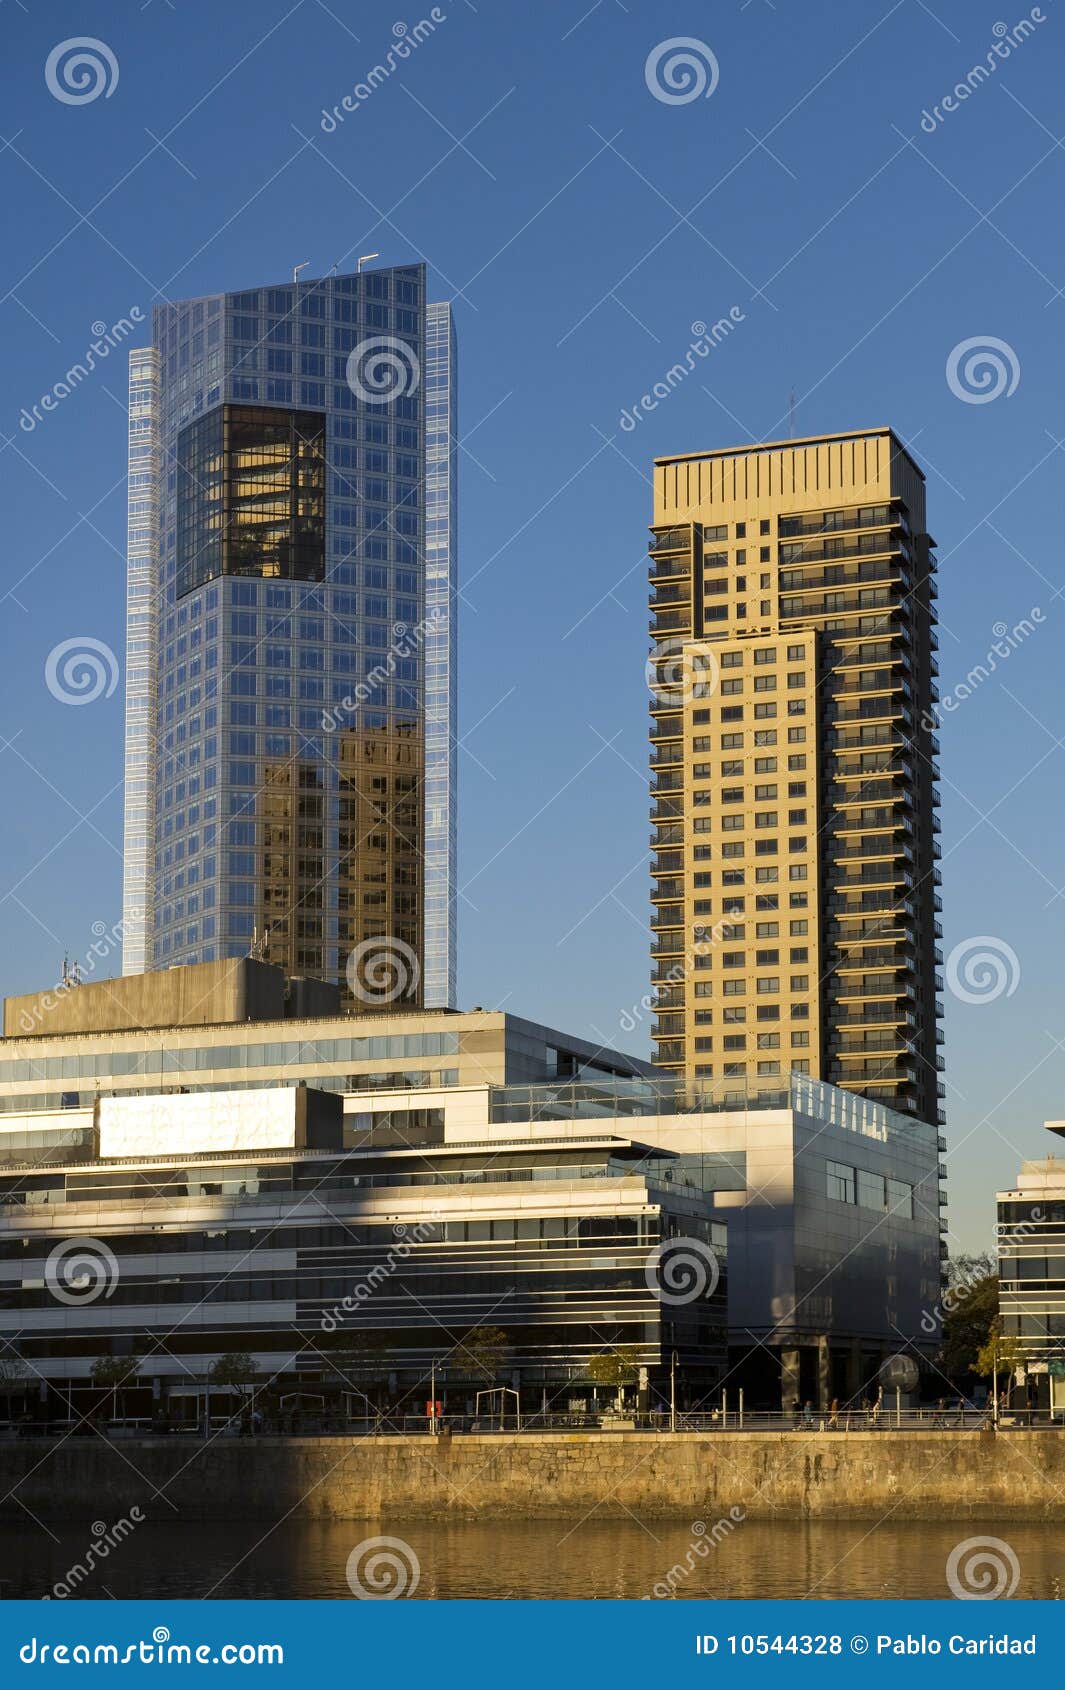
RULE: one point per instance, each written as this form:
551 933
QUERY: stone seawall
943 1475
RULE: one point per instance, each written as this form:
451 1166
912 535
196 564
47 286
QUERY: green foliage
481 1351
615 1367
970 1310
1000 1353
231 1372
115 1371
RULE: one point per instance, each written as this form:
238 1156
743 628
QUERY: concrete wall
201 996
943 1475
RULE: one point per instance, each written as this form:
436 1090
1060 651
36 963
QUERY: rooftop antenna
365 259
791 414
296 268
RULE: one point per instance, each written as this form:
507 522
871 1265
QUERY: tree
1001 1352
617 1368
232 1372
114 1373
482 1352
969 1309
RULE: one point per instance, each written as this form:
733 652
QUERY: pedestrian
807 1414
833 1415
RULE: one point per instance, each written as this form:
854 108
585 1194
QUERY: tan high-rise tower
793 769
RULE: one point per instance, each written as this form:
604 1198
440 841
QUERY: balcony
671 622
669 568
670 540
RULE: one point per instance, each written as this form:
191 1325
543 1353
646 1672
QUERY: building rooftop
780 445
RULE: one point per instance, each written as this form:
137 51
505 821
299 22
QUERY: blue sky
581 225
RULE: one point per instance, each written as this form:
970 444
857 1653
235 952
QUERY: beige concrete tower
793 770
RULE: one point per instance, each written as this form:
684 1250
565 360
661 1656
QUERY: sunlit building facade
794 803
278 580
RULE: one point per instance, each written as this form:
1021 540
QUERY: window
731 660
800 1041
765 792
768 986
764 527
731 742
766 929
839 1182
768 1041
765 736
796 653
765 654
900 1199
871 1190
763 712
796 736
797 761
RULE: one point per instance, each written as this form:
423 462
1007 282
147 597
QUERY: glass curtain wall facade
138 866
286 752
793 680
441 653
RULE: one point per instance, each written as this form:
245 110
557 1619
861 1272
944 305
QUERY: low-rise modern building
1031 1255
231 1165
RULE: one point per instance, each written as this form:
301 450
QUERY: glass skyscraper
290 692
441 605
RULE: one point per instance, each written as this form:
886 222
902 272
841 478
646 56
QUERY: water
514 1559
